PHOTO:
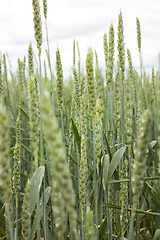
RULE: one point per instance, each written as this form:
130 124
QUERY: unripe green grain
15 95
34 118
90 83
20 81
37 92
45 8
30 60
135 95
99 87
74 54
37 24
145 105
83 161
77 88
105 47
117 100
79 65
45 72
129 101
59 82
128 112
153 85
139 114
121 46
110 57
98 125
6 85
83 83
73 106
17 155
130 65
138 34
63 194
133 84
89 226
24 74
5 169
140 159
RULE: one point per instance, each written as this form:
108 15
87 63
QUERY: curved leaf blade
37 177
115 161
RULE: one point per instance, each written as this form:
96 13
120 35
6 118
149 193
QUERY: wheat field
79 159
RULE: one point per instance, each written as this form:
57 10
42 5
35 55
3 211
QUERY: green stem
62 123
16 231
130 209
140 58
41 143
9 221
95 182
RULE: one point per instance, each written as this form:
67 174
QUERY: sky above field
86 21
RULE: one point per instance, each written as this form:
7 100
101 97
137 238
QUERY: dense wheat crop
79 159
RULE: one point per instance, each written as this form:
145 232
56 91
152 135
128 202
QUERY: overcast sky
86 21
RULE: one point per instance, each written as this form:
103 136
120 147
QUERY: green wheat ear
37 24
17 156
5 170
138 34
91 83
110 57
121 46
105 47
83 160
63 194
45 8
30 60
98 125
89 225
140 158
59 82
34 118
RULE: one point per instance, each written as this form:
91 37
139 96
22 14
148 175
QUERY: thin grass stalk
130 181
9 222
141 79
44 210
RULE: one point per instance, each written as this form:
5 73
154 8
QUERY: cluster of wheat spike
81 164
